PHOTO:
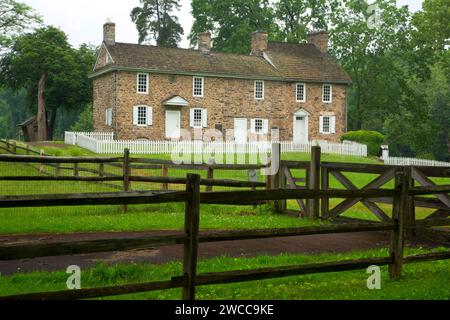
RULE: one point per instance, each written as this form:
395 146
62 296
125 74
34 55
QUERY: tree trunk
51 125
41 116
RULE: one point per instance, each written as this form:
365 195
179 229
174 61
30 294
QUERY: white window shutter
135 115
149 116
192 111
252 126
205 118
321 125
333 124
265 126
110 118
107 117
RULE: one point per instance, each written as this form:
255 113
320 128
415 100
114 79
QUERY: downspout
115 111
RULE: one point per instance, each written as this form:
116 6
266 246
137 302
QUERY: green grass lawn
420 281
155 217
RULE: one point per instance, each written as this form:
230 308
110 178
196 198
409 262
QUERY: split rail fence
190 237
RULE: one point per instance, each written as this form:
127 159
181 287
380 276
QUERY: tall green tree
231 22
53 74
371 47
155 20
15 17
296 18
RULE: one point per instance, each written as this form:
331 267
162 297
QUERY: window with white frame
327 125
260 126
142 83
108 117
142 116
301 93
259 90
199 118
198 85
327 93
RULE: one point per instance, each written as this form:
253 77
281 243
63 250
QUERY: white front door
301 129
240 130
173 124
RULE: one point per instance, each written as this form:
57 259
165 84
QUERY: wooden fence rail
191 237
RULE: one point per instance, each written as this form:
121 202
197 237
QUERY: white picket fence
395 161
104 143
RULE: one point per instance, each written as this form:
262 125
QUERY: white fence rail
104 143
394 161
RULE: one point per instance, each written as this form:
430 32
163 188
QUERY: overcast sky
82 20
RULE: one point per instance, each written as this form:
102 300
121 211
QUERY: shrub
372 139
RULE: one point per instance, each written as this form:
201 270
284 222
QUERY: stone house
148 92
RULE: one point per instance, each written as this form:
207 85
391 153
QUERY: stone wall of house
104 98
225 99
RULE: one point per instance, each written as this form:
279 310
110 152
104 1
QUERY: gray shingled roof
290 62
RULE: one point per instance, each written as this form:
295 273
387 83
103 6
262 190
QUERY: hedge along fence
191 237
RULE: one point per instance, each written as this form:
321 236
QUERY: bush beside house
372 139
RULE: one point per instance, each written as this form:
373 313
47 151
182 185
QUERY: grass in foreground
421 281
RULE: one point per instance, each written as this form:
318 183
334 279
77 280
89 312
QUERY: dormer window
327 93
198 84
142 83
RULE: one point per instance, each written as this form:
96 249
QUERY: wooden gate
385 175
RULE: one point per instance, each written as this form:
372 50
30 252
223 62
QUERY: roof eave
111 68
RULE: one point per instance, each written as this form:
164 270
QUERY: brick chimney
204 41
260 42
109 33
320 40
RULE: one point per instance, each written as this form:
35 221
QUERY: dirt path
335 243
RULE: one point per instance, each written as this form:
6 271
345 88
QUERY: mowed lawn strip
420 281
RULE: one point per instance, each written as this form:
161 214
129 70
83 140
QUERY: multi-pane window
301 97
198 119
198 86
259 90
259 126
326 125
142 116
327 93
142 83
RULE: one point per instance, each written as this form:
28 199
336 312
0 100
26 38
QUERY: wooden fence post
410 214
165 174
76 171
41 165
283 184
58 169
101 170
398 215
210 175
314 182
126 173
275 178
7 146
14 147
325 186
191 228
